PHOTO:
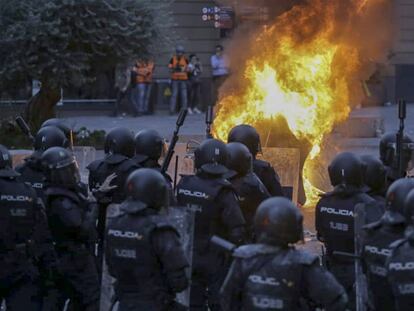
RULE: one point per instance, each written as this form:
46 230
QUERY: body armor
268 176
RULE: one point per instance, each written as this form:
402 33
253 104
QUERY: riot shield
107 281
361 290
182 218
84 156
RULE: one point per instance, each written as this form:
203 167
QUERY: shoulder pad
161 223
225 183
115 159
55 191
398 243
262 164
251 250
304 257
127 164
366 198
93 166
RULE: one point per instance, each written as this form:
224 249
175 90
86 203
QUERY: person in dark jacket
25 244
143 250
248 136
71 218
250 190
273 274
334 219
213 201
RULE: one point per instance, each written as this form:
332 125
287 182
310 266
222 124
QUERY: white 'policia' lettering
401 266
267 303
195 194
334 211
125 234
263 280
377 251
15 198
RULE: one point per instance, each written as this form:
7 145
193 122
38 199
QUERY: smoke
366 25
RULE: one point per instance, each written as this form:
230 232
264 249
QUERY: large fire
302 69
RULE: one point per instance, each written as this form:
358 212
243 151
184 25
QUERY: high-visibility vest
144 71
181 63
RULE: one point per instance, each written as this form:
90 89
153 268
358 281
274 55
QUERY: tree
68 42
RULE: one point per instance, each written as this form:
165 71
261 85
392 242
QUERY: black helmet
397 194
60 167
147 186
346 168
409 207
375 174
6 165
211 157
149 143
49 136
59 124
239 158
388 150
246 135
278 221
120 140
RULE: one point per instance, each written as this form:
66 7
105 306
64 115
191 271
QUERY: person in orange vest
179 78
142 73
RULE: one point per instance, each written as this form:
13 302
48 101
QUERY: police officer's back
377 239
72 223
119 149
273 274
217 212
31 171
23 235
335 213
250 190
248 136
143 250
149 146
400 265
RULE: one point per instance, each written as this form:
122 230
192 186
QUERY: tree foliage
67 42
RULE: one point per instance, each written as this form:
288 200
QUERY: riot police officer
400 265
71 218
25 243
60 125
335 217
388 155
116 165
217 212
149 146
250 190
375 177
31 171
377 239
143 250
273 274
248 136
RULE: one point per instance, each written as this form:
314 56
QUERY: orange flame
302 70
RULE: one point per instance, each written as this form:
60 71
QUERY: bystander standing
220 67
195 69
122 81
143 71
179 77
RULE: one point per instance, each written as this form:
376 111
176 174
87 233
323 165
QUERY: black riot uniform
273 274
71 220
248 136
149 146
31 171
376 243
143 250
119 149
388 155
250 190
335 217
217 212
375 177
400 265
25 244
